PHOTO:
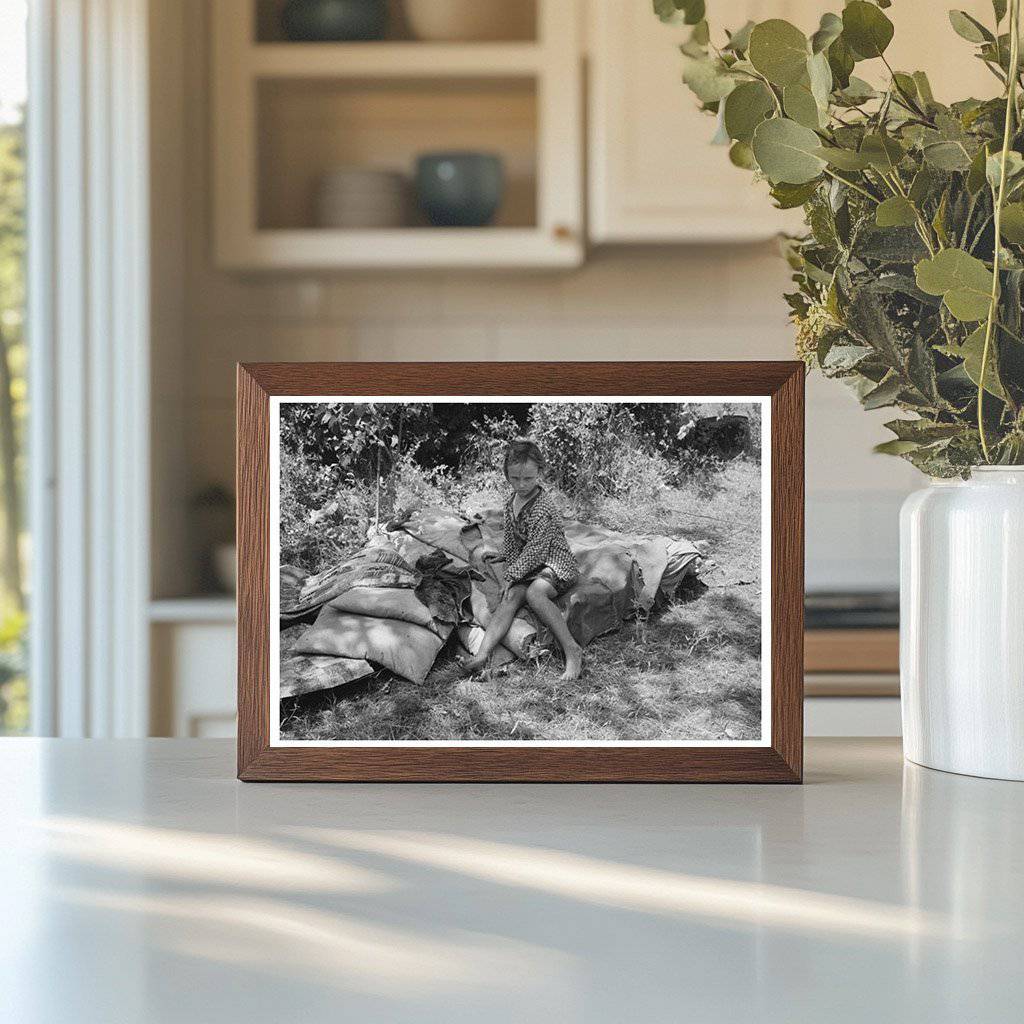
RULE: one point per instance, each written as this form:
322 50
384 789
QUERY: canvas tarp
396 601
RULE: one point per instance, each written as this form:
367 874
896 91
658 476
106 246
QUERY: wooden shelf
393 60
284 114
318 248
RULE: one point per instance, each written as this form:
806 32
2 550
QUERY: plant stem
775 98
896 187
980 232
907 99
1012 334
1011 108
853 185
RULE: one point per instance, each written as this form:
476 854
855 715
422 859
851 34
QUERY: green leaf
883 152
844 159
829 30
889 245
939 220
857 91
895 212
922 185
745 108
921 370
707 78
801 106
885 394
999 9
906 84
666 10
976 173
841 63
963 281
741 155
971 352
868 319
739 41
819 75
947 156
689 12
895 447
693 10
701 34
924 88
866 29
787 151
779 51
788 197
1012 223
969 28
993 167
721 136
923 431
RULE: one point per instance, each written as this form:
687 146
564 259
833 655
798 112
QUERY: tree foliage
345 466
902 291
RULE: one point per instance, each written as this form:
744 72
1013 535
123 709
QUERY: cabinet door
654 176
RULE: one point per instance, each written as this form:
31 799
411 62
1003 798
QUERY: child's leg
499 625
539 597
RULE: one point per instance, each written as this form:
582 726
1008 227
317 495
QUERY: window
14 693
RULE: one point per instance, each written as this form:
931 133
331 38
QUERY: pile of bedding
398 601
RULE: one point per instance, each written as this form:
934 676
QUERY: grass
691 671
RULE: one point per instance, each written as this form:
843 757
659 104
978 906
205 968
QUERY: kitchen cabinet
287 114
654 177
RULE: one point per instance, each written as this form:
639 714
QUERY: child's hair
522 449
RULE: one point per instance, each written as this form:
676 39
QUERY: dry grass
690 672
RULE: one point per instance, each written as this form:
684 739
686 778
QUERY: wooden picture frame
777 758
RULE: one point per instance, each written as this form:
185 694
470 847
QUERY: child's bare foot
573 662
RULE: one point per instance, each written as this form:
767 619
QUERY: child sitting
539 566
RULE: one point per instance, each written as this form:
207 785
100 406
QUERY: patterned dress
535 545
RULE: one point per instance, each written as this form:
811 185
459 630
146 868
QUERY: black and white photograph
552 570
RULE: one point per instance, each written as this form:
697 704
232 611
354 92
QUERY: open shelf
309 127
520 23
410 248
286 114
387 60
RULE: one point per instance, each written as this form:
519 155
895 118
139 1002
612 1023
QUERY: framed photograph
578 572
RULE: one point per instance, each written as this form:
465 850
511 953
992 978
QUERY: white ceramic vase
962 624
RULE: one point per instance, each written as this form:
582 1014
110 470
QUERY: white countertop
140 882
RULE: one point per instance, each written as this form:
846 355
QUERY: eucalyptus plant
910 278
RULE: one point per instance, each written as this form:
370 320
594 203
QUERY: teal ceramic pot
334 21
460 189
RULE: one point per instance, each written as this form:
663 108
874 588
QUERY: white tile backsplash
715 303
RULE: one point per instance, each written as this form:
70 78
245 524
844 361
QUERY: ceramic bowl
460 189
359 197
470 20
332 21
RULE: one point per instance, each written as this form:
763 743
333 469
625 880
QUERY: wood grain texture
779 762
252 513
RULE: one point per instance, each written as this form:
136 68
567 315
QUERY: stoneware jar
962 624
